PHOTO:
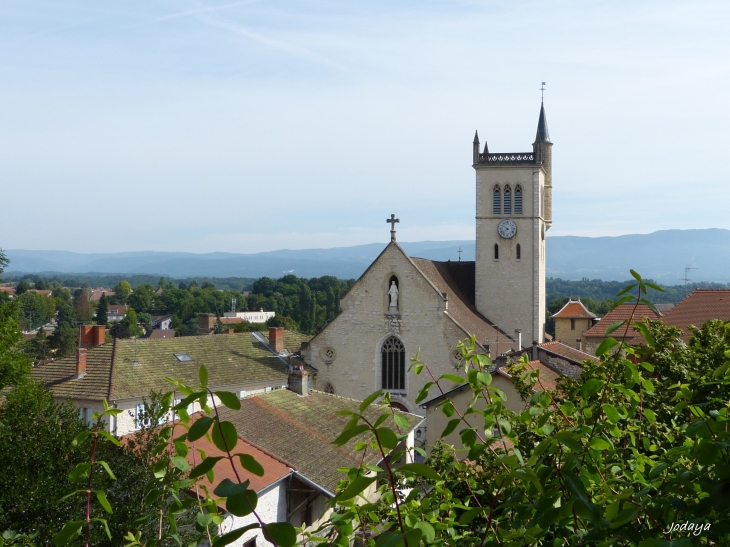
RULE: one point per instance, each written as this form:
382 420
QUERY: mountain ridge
660 255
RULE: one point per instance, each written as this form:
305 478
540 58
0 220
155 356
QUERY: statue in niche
393 293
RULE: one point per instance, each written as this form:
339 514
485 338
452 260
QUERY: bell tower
513 212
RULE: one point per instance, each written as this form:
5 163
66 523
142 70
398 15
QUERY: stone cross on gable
392 220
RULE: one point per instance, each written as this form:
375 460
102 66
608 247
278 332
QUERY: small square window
183 357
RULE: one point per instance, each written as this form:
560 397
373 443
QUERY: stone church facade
404 306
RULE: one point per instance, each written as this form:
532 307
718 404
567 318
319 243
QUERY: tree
122 291
13 364
21 287
83 306
33 310
64 339
142 298
102 310
132 323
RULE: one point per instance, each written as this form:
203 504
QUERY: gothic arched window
496 251
497 201
393 364
507 201
518 201
519 252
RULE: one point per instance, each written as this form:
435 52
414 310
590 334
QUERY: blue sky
258 125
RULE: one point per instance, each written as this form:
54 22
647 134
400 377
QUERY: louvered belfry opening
518 201
497 202
507 201
393 364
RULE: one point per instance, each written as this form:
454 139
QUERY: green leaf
612 414
387 438
613 326
450 427
180 462
111 438
203 376
389 539
591 387
575 485
567 407
229 399
282 533
206 465
101 496
452 378
571 440
230 537
625 290
420 469
429 534
654 286
607 345
644 330
357 486
401 421
599 444
80 472
467 516
199 428
369 400
224 436
81 437
242 504
650 415
636 276
228 488
107 469
348 434
627 515
105 525
70 531
250 464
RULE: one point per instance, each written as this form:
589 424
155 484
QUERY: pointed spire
476 137
542 128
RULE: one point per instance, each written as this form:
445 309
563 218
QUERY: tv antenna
459 251
686 278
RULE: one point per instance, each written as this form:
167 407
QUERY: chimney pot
518 336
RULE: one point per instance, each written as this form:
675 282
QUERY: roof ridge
112 368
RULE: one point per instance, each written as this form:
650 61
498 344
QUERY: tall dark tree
102 310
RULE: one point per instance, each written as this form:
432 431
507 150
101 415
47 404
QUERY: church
403 306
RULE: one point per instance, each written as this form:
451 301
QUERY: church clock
507 229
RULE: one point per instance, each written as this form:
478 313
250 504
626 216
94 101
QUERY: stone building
571 323
404 306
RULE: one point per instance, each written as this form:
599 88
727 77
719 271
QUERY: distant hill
661 256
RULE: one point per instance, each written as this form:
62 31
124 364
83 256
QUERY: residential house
571 323
260 316
597 333
116 313
162 322
124 372
699 307
98 292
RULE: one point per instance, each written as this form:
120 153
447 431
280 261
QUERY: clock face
507 229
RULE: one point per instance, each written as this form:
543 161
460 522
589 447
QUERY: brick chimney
276 339
99 336
298 380
80 363
206 323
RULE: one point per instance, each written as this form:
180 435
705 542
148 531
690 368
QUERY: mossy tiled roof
300 430
59 376
133 368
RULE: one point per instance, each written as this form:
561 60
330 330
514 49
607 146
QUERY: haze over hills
661 256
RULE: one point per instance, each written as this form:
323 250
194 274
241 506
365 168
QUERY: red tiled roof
547 379
564 350
274 468
230 320
699 307
44 292
575 310
9 290
621 313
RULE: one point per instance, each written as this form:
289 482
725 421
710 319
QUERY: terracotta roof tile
564 350
700 306
160 333
575 310
300 430
621 313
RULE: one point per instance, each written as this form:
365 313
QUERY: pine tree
102 310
